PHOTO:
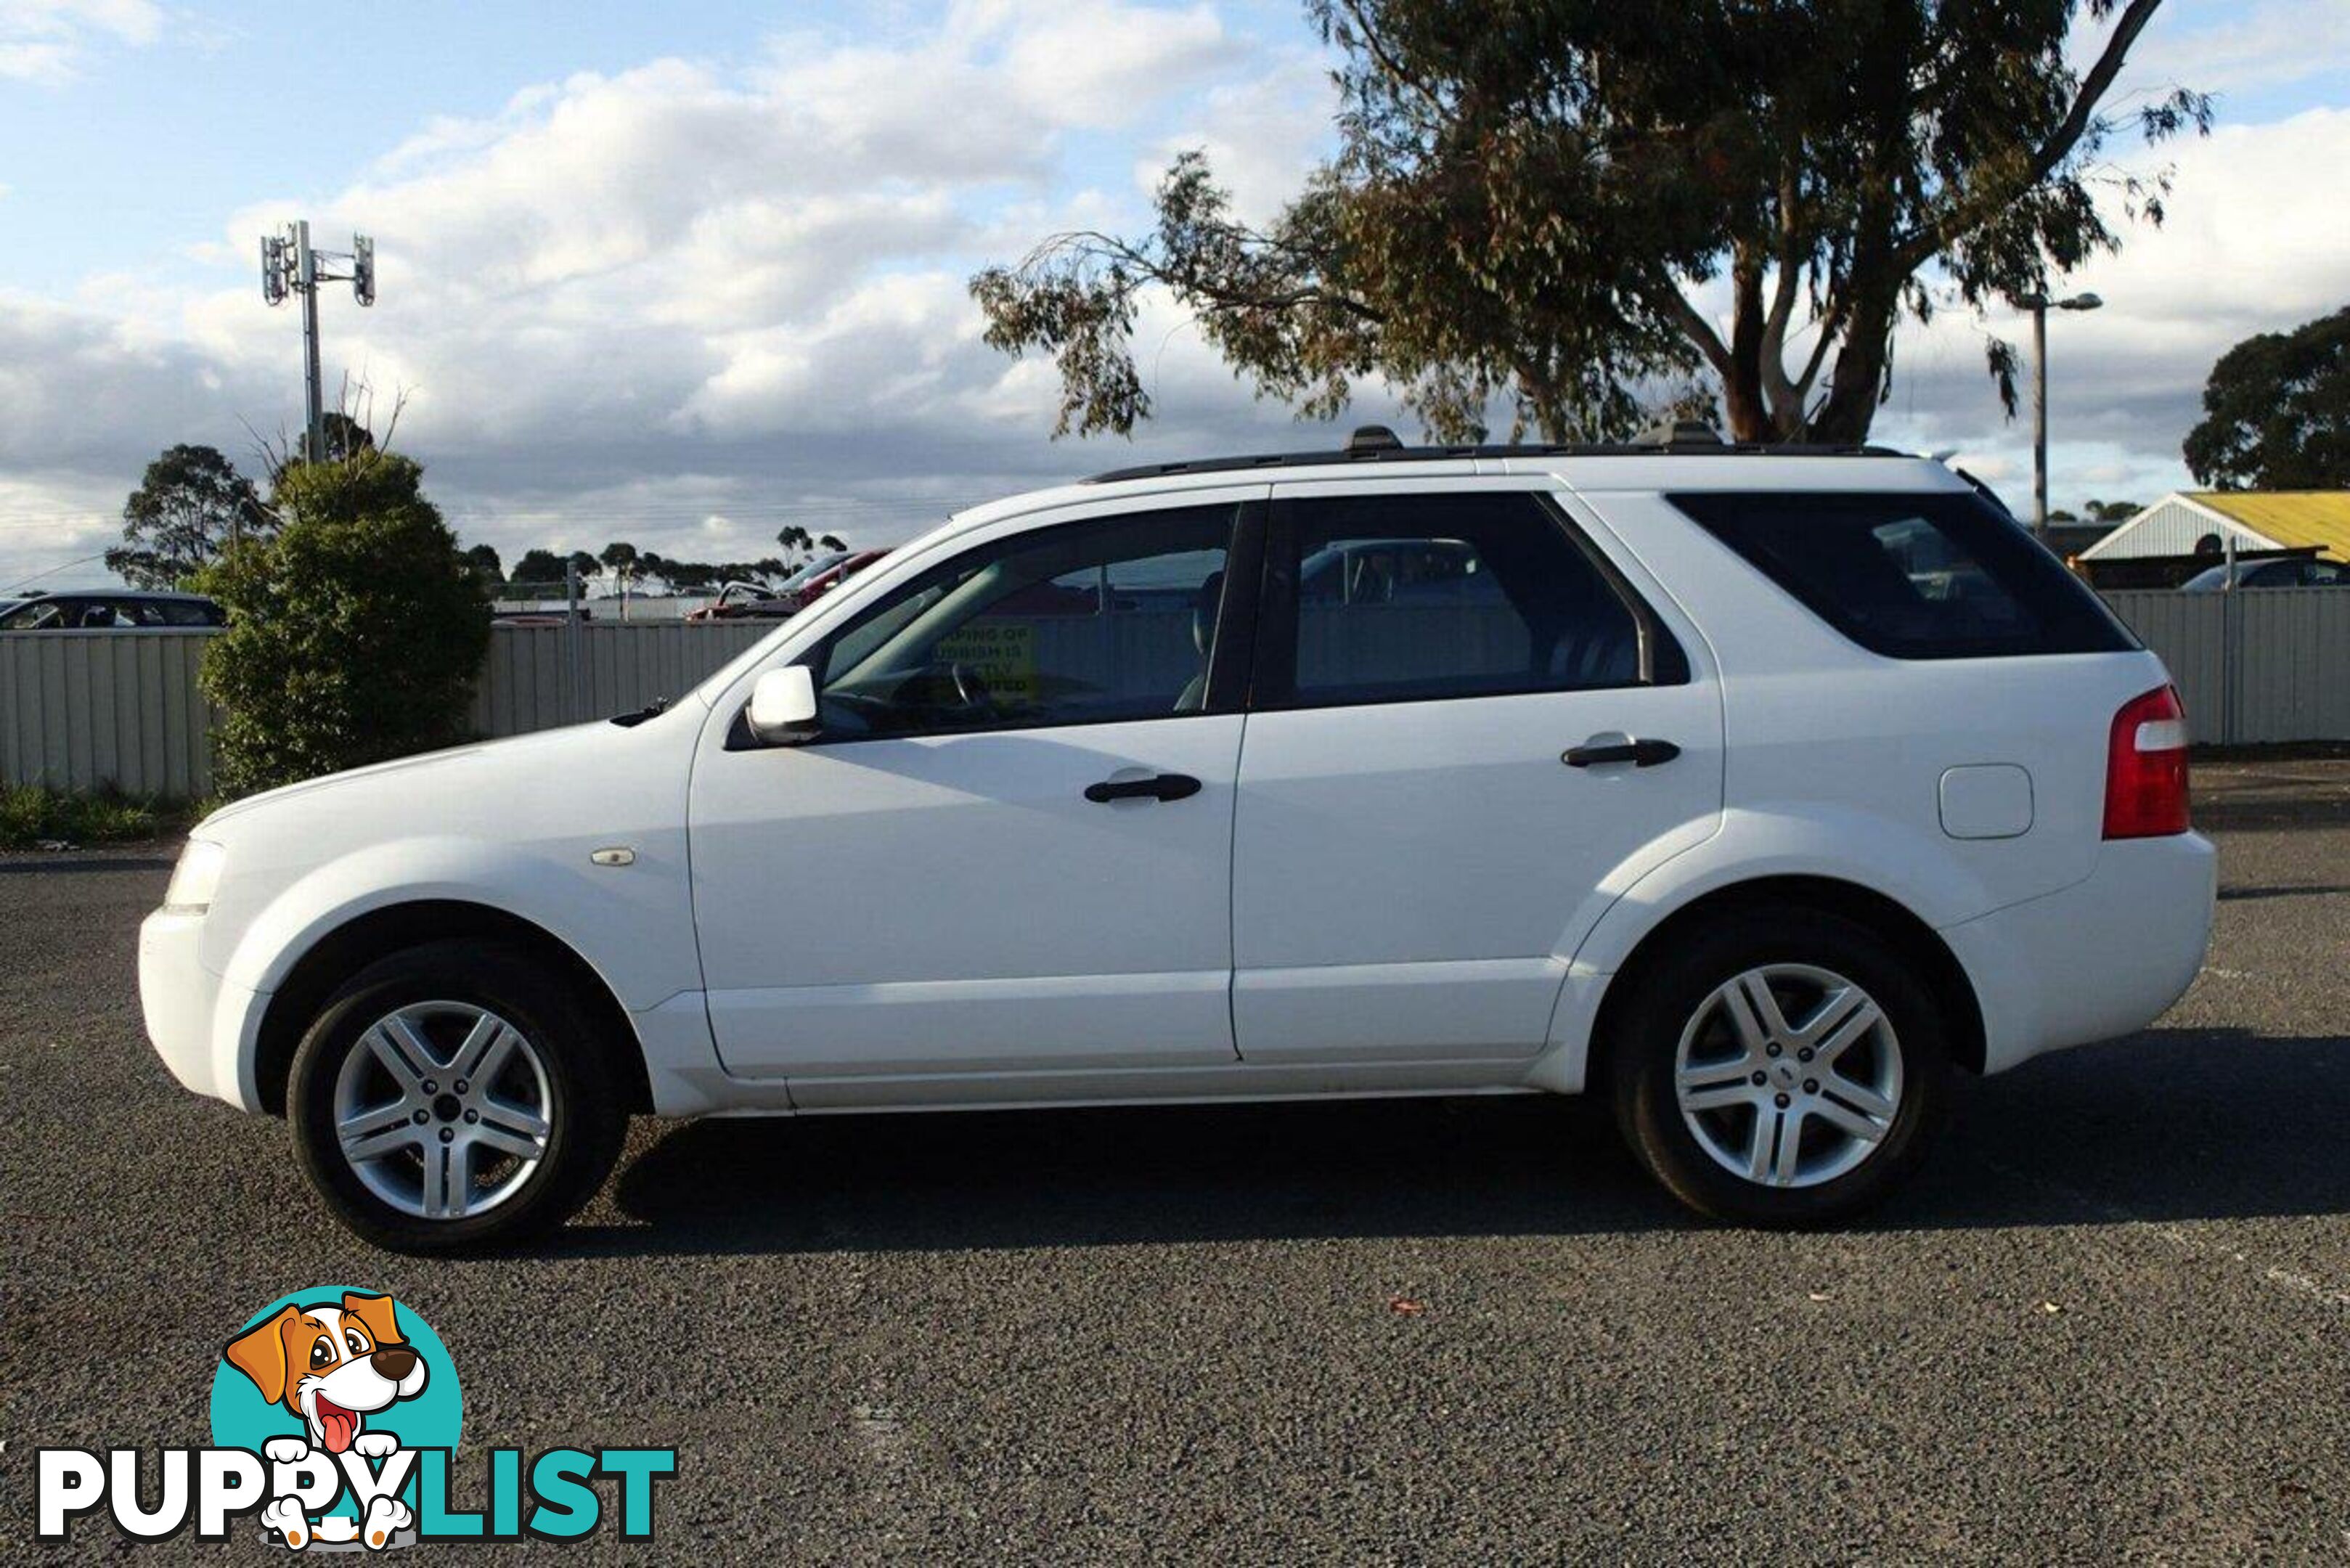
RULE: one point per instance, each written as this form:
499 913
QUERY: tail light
2146 768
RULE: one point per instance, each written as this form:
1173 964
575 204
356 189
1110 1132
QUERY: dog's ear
260 1353
376 1313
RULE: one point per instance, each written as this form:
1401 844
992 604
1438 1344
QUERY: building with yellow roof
2191 521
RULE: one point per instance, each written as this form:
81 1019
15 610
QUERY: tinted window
36 616
1914 576
1085 623
1413 597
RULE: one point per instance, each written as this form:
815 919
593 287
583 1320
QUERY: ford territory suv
1763 793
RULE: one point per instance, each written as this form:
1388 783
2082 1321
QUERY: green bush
30 815
356 631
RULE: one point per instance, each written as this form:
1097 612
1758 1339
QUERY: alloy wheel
1788 1076
442 1109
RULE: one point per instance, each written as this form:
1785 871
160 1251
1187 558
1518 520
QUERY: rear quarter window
1930 575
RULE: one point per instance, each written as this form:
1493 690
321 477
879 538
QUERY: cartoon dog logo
332 1365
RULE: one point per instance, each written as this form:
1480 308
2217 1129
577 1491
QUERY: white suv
1756 791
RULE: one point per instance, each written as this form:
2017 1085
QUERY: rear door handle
1158 786
1639 753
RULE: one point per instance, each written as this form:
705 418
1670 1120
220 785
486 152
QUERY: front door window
1104 621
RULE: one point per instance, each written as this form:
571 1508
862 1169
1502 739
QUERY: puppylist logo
335 1413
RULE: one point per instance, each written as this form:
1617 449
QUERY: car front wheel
1785 1068
451 1096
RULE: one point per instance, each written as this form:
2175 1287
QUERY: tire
1681 1027
550 1088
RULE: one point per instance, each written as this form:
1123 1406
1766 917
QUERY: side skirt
1138 1086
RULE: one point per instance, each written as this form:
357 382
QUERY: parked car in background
1726 804
757 601
764 601
742 601
824 581
2300 572
105 611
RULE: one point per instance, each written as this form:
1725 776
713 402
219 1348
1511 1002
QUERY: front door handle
1639 753
1158 786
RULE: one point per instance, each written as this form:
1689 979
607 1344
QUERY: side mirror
783 706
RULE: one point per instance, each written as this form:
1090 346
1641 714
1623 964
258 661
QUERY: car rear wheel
454 1096
1785 1068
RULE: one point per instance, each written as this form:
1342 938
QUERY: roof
2296 519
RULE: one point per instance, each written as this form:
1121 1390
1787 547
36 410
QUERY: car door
1008 848
1445 782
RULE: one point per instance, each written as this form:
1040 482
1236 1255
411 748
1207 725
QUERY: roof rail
1377 443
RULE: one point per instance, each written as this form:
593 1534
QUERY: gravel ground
2108 1321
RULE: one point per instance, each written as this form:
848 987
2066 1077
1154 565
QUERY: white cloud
685 304
671 298
2233 47
1096 62
45 41
1261 136
2257 240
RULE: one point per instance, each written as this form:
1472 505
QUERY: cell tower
288 266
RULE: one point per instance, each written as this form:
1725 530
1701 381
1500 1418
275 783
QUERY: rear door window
1938 575
1419 597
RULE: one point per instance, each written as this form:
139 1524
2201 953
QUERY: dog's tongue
338 1424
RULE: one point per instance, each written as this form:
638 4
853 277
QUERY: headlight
196 875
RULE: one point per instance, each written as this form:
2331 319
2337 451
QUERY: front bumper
185 1006
2105 957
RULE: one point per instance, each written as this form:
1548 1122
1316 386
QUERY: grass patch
30 816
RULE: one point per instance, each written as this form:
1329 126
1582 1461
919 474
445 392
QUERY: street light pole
2038 304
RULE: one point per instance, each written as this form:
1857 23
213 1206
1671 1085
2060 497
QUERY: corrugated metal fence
2267 665
82 709
538 677
79 710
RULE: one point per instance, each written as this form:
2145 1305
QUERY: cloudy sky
682 274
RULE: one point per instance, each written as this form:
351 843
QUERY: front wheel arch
352 946
1937 965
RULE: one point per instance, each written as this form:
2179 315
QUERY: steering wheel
971 687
